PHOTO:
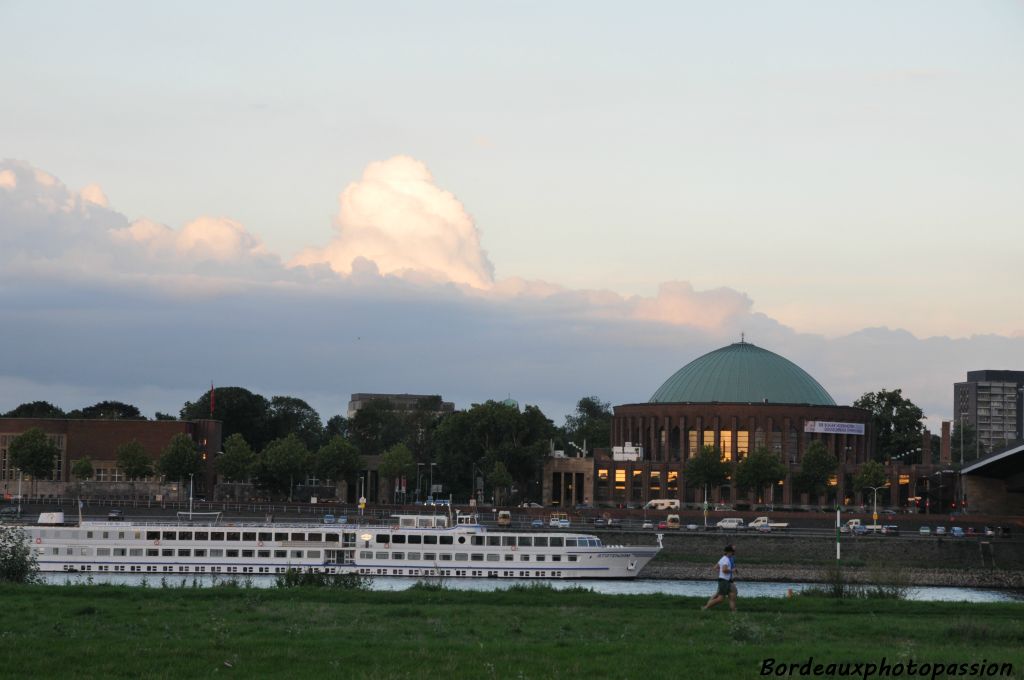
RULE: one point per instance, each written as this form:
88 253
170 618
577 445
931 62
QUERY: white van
504 518
663 504
730 523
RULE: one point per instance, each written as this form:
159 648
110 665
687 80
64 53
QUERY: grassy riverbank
131 632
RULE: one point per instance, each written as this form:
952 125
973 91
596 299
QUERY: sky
542 200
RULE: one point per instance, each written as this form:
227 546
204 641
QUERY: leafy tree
33 453
338 460
35 409
758 470
164 416
896 422
500 480
82 469
237 461
280 464
871 474
240 411
179 460
290 415
108 410
337 426
397 462
971 446
17 557
133 461
591 423
376 427
817 468
706 468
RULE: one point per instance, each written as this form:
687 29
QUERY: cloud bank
404 298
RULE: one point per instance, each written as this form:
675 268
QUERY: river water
633 587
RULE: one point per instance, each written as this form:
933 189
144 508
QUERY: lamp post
874 512
419 466
432 466
191 475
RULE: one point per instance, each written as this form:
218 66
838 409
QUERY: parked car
115 515
890 529
647 525
537 524
663 524
329 518
940 531
989 531
956 532
600 522
925 530
9 511
614 522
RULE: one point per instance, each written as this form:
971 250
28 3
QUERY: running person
726 568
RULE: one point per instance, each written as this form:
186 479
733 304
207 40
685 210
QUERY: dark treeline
492 450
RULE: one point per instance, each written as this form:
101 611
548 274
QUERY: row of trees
762 469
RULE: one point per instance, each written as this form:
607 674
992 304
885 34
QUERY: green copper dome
742 373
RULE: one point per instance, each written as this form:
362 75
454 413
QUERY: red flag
211 400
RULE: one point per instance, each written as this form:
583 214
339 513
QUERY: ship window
414 556
234 536
416 539
85 551
445 557
170 535
106 534
88 534
280 553
184 535
572 558
200 552
430 557
152 552
478 540
266 536
461 557
446 540
315 537
524 558
540 541
184 552
494 540
398 538
556 558
525 540
249 536
296 554
397 556
152 535
382 556
383 538
331 538
540 558
299 537
462 539
556 542
280 536
508 540
135 552
365 555
477 557
216 552
118 552
313 553
430 540
217 536
167 552
509 557
570 543
492 557
248 553
102 552
264 553
202 535
231 553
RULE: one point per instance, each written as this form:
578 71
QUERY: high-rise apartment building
992 402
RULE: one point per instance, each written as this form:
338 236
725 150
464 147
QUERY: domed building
737 399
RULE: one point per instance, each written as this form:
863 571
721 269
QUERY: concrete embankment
924 561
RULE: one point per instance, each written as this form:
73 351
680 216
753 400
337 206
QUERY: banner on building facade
825 427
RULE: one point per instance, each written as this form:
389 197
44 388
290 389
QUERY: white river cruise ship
412 545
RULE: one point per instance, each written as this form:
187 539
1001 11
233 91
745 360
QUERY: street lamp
432 466
874 512
418 468
191 475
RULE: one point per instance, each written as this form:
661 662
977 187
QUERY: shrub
17 558
296 578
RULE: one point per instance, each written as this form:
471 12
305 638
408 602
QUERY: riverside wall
933 561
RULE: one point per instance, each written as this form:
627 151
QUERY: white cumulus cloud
397 217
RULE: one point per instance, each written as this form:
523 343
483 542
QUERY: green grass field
132 632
